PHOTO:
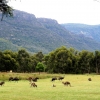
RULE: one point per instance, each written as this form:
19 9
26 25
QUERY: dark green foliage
5 9
40 67
8 61
85 58
64 60
23 60
97 61
61 60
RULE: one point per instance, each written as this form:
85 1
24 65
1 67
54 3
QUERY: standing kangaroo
67 83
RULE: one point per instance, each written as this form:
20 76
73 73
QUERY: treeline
61 60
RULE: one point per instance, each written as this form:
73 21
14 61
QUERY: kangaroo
89 79
67 83
33 84
60 78
2 83
54 85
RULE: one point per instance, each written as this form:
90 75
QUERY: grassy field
81 89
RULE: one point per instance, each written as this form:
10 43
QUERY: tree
40 67
23 59
50 62
97 61
84 61
5 9
63 60
75 59
33 63
1 62
8 61
39 56
59 61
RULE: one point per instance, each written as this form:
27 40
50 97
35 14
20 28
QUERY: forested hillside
91 31
40 34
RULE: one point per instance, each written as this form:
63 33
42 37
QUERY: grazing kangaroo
60 78
33 84
54 85
30 79
35 79
89 79
14 79
53 79
2 83
67 83
10 78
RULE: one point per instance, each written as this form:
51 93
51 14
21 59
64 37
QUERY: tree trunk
97 71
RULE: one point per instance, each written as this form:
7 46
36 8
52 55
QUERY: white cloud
64 11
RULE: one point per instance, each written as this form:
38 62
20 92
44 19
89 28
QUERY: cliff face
40 34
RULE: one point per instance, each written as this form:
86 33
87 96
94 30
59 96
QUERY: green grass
81 89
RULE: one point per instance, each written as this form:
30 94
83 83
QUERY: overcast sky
64 11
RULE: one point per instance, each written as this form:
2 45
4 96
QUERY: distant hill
91 31
40 34
7 44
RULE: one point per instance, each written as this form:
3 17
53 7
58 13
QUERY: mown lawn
81 89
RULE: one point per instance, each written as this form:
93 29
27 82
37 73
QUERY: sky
64 11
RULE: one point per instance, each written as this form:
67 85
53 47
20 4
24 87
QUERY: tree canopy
61 60
5 9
